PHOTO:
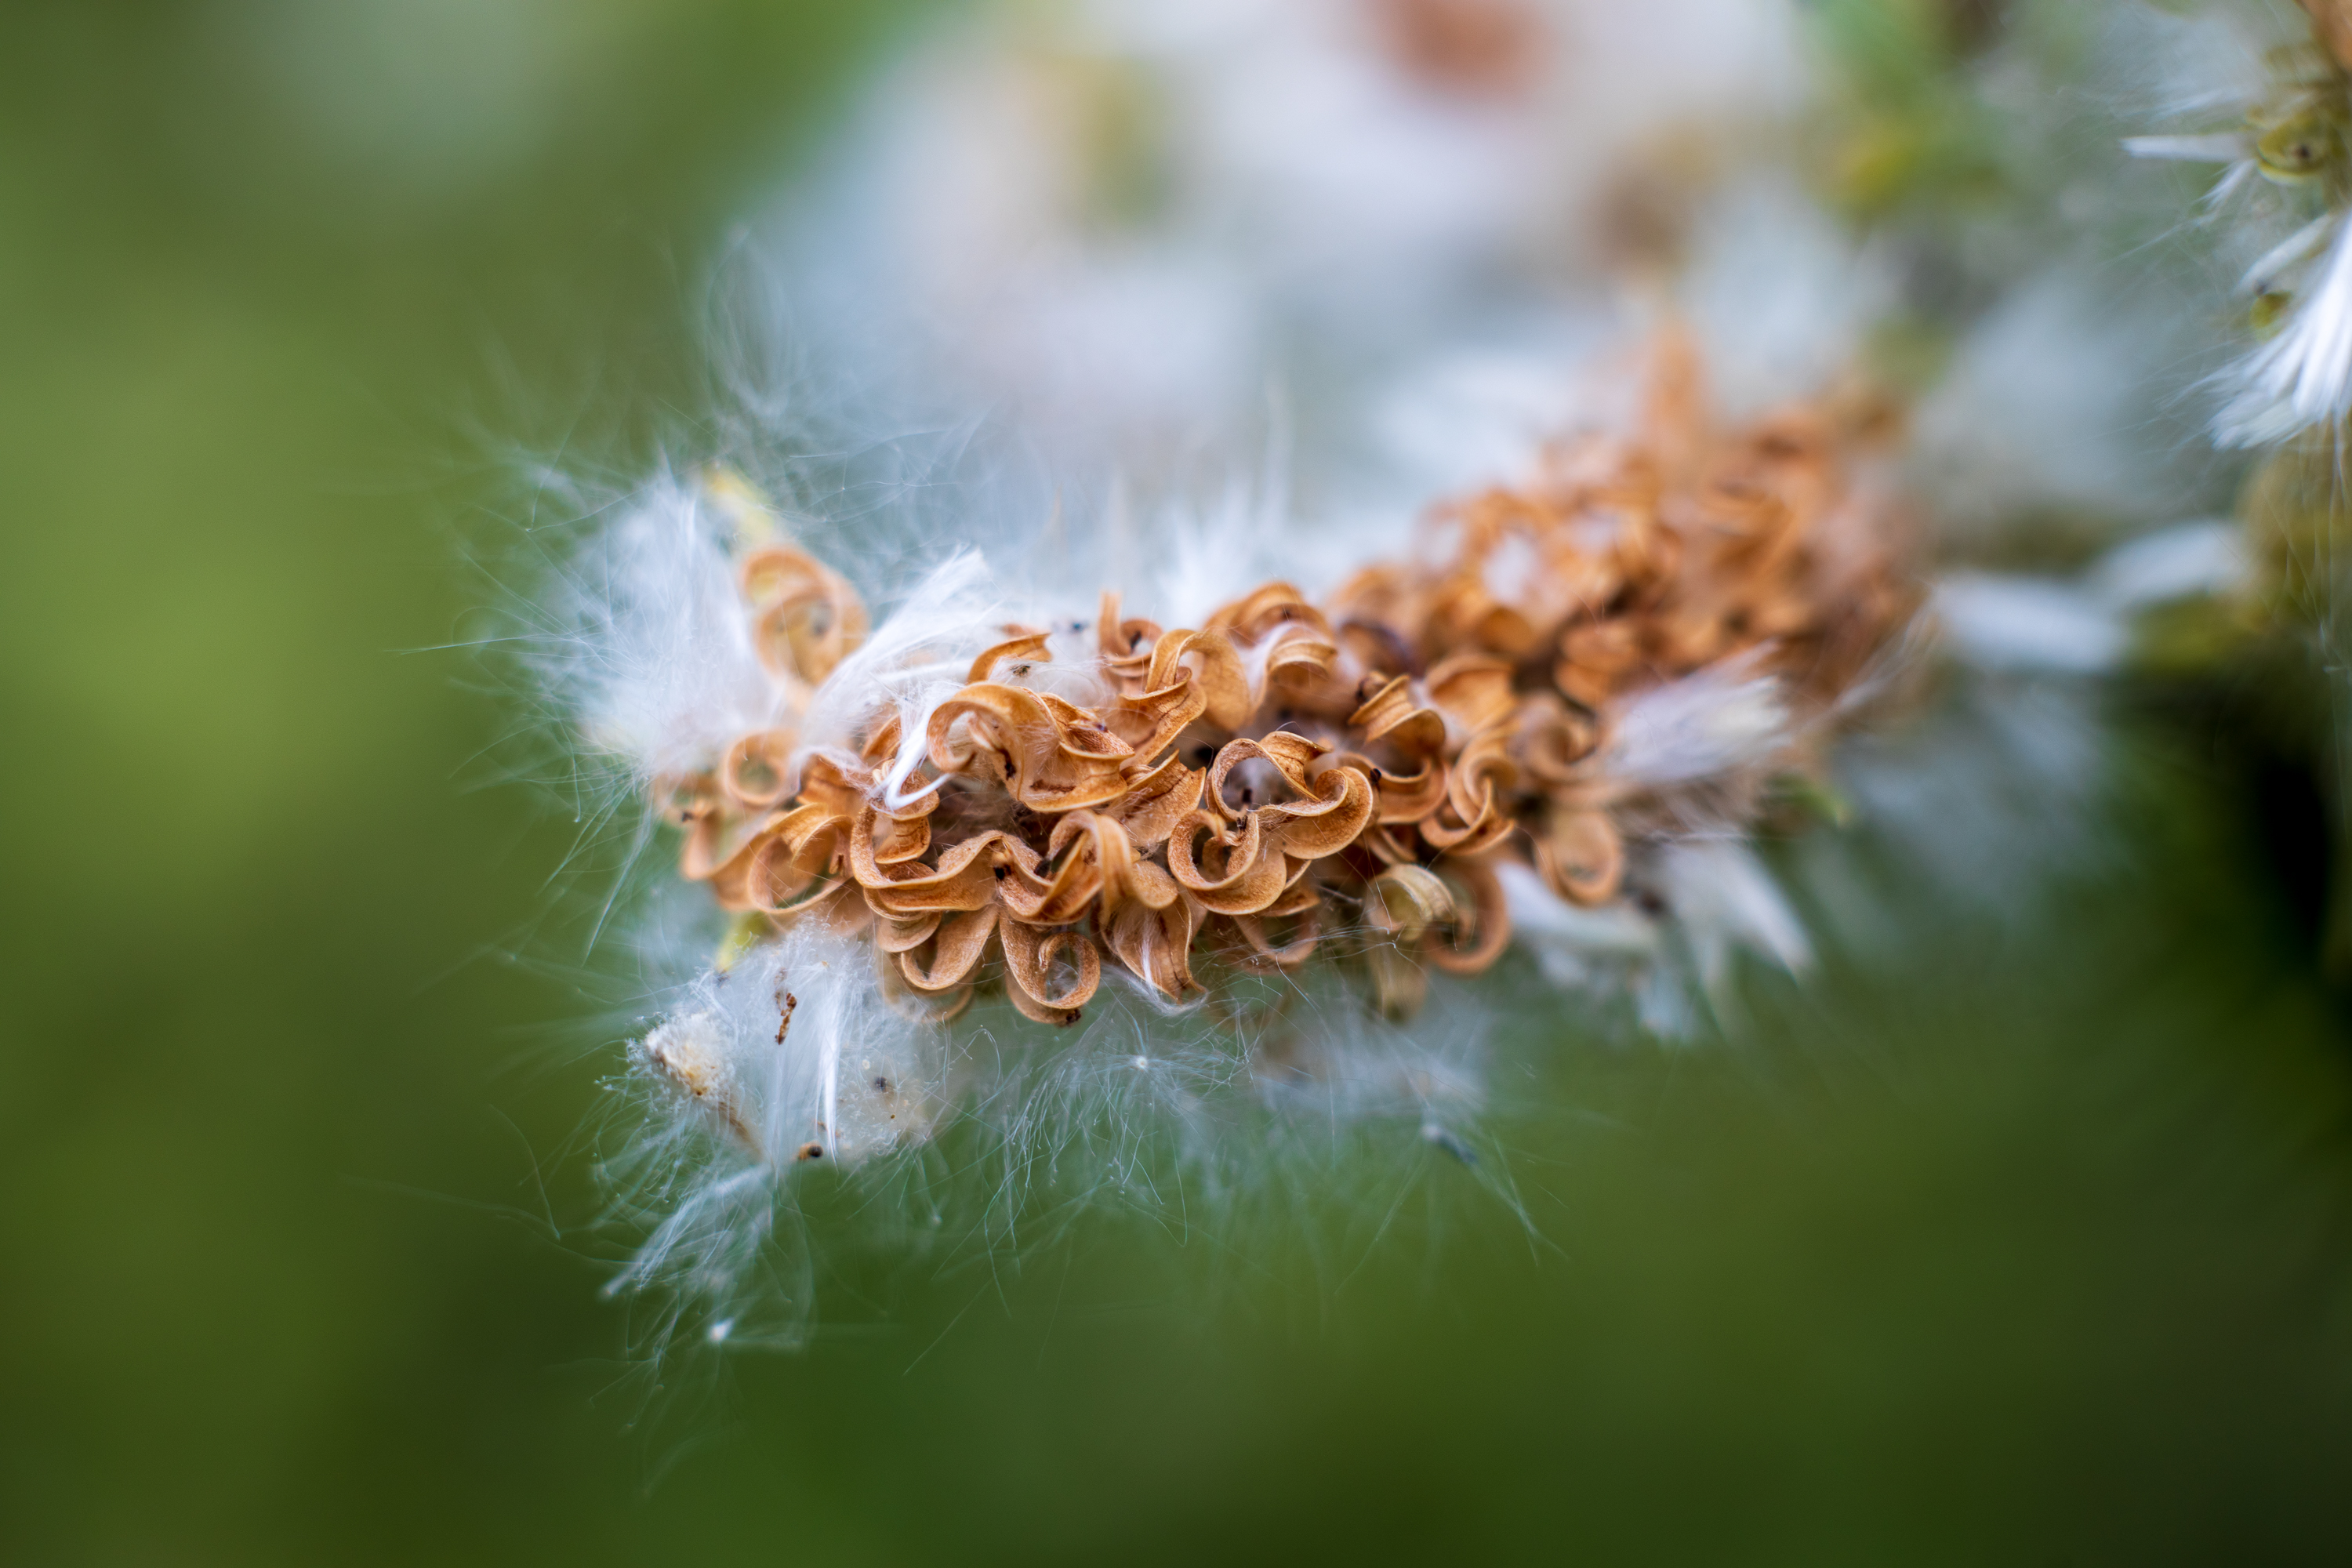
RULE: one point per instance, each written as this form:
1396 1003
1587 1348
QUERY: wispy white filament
1719 720
2027 623
2302 377
2294 249
2223 147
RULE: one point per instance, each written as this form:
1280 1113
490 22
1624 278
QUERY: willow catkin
1293 782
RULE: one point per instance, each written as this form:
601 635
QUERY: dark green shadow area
2028 1246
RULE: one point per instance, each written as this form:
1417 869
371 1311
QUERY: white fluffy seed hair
2302 379
657 660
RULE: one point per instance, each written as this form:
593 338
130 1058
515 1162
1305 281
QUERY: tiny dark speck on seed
883 1084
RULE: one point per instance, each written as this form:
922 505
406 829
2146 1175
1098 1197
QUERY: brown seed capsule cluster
1289 777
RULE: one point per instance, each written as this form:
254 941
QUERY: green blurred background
2030 1245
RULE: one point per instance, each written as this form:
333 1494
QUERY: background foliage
2027 1243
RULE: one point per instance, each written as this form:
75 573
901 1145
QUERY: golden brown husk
1293 780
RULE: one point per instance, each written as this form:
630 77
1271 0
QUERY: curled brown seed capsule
1384 751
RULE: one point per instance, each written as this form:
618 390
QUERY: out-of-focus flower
2285 130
